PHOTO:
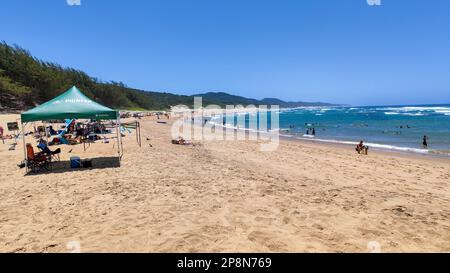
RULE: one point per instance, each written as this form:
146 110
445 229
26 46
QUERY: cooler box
75 162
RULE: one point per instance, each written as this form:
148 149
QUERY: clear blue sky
341 51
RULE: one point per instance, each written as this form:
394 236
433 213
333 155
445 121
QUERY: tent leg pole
120 138
24 148
117 133
45 132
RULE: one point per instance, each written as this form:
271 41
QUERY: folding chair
37 162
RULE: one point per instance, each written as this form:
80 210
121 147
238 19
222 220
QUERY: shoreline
324 142
347 147
348 144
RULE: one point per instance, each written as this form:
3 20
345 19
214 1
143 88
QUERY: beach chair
46 151
37 162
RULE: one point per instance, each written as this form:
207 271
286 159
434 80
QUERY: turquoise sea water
386 127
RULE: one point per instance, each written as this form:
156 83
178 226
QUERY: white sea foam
415 110
406 114
414 114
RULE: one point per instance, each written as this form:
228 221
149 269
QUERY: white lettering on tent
77 101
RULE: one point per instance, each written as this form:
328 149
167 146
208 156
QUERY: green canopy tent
72 104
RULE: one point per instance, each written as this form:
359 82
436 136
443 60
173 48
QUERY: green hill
26 81
222 98
227 99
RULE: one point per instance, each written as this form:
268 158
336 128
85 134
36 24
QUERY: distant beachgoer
1 134
181 141
307 132
361 148
425 142
314 131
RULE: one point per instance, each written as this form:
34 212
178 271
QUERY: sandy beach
225 196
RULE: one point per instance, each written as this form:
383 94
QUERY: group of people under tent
73 132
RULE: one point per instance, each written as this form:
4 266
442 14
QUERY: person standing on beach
1 134
425 142
314 131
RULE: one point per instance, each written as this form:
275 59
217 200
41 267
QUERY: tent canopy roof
70 105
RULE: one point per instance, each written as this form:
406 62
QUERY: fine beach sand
225 196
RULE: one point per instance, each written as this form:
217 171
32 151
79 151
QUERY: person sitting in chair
45 150
361 148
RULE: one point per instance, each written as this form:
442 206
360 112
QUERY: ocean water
385 127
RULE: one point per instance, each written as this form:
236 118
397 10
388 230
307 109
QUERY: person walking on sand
425 142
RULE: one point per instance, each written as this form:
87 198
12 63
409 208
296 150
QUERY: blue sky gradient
341 51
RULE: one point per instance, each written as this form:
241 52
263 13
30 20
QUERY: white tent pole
45 130
120 135
137 136
117 133
24 148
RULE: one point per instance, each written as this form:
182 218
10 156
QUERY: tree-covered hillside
26 81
